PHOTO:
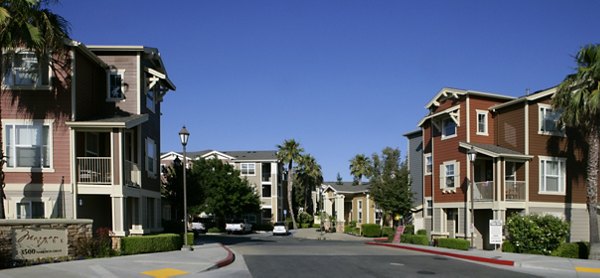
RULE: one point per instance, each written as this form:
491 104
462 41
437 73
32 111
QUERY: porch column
339 213
118 215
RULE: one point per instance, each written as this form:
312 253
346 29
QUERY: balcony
484 191
94 170
515 190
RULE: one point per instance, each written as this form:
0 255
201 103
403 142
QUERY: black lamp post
184 135
472 154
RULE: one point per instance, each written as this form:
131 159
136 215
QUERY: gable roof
447 92
237 155
347 187
494 150
532 97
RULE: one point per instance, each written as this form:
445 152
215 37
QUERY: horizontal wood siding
127 62
511 128
482 103
91 86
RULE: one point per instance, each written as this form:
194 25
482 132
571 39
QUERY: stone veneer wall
76 229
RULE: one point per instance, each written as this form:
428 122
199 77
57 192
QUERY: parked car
198 227
280 228
238 225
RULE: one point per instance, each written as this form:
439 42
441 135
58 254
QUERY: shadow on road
229 239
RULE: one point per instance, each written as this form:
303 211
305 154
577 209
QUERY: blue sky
341 77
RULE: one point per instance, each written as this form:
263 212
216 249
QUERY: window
116 84
548 121
27 210
92 144
552 175
24 69
449 176
429 212
150 156
150 99
428 164
359 220
482 125
266 190
248 169
28 145
448 128
510 171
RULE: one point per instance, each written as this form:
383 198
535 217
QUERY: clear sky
341 77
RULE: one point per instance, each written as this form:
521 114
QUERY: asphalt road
265 255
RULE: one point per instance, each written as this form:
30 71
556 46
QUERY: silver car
280 228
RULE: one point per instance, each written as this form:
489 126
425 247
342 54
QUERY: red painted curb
228 260
461 256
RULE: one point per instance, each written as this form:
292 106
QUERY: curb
226 261
460 256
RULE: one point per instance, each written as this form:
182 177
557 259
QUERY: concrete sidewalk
194 263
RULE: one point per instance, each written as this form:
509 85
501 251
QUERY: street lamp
184 135
472 154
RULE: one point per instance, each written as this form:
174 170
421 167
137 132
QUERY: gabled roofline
120 122
533 97
456 93
218 153
468 146
445 111
86 51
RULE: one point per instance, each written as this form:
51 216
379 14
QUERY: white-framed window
429 207
24 69
116 84
30 209
248 169
553 175
449 174
448 128
548 121
266 190
151 156
428 164
482 122
150 96
28 144
92 144
360 216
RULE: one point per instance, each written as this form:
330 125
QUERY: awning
113 122
495 151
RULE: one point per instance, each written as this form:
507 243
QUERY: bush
305 218
371 230
214 230
318 226
575 250
415 239
304 225
190 238
409 229
422 232
353 223
152 243
96 247
453 243
508 247
388 231
536 234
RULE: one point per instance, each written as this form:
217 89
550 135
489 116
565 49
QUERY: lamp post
472 154
184 135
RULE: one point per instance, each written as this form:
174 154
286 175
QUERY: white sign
31 244
495 231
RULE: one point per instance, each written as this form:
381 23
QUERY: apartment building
82 132
525 163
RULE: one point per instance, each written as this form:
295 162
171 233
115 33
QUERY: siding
415 162
511 128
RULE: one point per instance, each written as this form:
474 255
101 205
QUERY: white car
240 226
280 228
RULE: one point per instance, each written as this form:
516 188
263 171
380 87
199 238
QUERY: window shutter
456 174
442 176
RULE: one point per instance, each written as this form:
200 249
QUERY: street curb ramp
230 258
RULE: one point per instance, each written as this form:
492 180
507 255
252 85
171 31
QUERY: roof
270 155
111 122
532 97
414 133
348 187
453 92
494 150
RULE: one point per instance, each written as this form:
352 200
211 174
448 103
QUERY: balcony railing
93 170
515 190
484 191
131 176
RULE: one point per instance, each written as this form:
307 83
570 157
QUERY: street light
184 135
472 154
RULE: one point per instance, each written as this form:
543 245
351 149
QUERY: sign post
495 232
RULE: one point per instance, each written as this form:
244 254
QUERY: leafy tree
227 195
578 96
28 24
172 190
289 152
390 184
339 179
309 176
359 168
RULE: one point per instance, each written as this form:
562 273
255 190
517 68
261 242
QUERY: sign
399 232
32 244
495 231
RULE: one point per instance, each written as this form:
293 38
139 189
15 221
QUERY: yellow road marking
164 273
587 269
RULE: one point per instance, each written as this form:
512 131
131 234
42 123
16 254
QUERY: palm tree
359 167
578 97
309 176
289 151
28 24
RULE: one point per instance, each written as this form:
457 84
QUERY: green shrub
353 223
214 230
96 247
304 225
422 232
388 231
152 243
318 226
536 234
415 239
305 218
508 247
371 230
409 229
453 243
576 250
190 238
348 229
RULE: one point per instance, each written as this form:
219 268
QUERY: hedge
453 243
371 230
576 250
409 229
151 243
415 239
388 231
422 232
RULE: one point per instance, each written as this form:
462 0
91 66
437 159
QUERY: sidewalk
547 266
203 258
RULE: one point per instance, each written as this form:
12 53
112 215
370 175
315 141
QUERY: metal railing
484 191
93 170
515 190
131 174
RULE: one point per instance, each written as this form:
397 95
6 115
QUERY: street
266 255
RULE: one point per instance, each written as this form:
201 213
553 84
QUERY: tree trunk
290 187
593 141
2 161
